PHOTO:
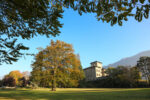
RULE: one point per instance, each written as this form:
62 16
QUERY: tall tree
144 65
58 63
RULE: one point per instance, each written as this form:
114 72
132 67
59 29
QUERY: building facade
94 72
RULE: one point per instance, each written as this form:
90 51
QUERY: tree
135 74
25 19
9 81
1 83
24 82
21 79
122 76
39 76
17 76
58 63
117 11
144 66
26 75
29 18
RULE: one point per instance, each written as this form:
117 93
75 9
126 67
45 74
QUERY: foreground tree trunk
53 85
149 81
54 80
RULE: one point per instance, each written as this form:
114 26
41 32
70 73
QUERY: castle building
94 72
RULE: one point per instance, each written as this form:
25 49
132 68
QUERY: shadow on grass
140 94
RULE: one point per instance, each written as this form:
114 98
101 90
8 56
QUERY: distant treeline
119 77
16 79
110 83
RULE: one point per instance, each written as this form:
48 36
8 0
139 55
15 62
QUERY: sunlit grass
76 94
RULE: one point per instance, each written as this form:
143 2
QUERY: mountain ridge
129 61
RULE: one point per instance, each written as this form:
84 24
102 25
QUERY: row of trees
121 76
58 66
15 78
54 66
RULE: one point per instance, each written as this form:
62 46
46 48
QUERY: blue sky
92 39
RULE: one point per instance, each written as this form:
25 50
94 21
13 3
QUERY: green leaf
142 1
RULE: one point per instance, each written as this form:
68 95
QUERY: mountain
130 61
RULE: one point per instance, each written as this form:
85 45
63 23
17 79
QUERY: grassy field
76 94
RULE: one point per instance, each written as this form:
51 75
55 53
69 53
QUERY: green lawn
76 94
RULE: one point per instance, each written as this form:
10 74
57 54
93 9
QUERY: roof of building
96 61
88 68
91 66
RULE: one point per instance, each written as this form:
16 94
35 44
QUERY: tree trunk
53 85
54 81
148 81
